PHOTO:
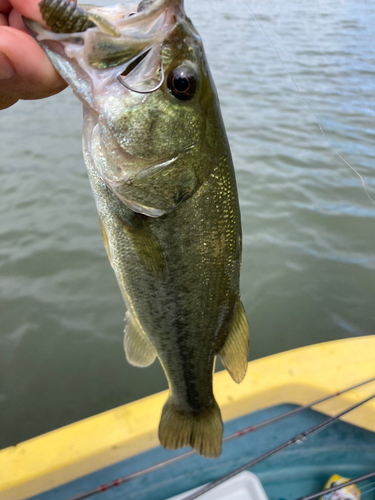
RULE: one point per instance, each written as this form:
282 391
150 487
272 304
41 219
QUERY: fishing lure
64 16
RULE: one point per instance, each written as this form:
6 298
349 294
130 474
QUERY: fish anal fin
203 432
138 349
235 350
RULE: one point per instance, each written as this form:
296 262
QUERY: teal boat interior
299 470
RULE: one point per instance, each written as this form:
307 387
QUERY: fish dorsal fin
234 352
138 349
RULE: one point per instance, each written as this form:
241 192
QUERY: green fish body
162 175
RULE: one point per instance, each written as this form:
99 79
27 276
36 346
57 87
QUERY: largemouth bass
161 171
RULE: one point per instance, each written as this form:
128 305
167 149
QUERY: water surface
308 270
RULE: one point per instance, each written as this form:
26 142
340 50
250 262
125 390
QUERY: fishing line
306 102
242 432
338 486
365 491
300 438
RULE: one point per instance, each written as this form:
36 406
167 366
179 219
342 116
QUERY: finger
6 101
33 76
5 6
15 21
6 71
3 20
29 8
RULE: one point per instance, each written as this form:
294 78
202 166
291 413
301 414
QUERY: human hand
25 70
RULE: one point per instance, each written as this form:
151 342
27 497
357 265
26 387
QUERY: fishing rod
242 432
338 486
299 438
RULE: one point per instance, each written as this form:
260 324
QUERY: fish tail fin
202 432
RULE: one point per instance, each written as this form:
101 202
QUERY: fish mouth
113 39
113 66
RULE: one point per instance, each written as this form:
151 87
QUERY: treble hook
127 86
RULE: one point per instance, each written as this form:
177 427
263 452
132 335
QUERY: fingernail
6 67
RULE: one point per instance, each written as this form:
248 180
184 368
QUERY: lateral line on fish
337 153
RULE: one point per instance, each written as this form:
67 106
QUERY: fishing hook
127 86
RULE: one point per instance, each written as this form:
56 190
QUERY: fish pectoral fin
103 232
138 349
203 432
235 351
147 247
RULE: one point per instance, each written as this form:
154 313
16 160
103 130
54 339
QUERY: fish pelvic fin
138 349
202 432
235 350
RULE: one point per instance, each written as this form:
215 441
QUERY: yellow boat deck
298 377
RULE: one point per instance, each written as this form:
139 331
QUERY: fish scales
161 171
178 312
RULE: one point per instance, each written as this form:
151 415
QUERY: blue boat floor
299 470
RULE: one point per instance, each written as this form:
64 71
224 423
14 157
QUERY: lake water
308 270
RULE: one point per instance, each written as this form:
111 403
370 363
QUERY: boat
116 454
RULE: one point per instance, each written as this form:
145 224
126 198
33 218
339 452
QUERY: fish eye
182 83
